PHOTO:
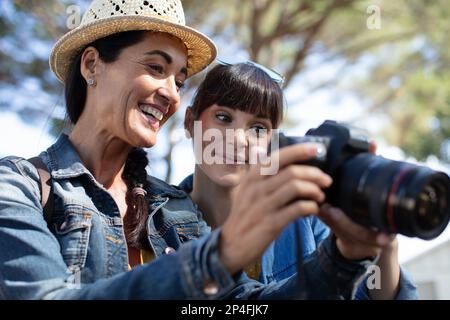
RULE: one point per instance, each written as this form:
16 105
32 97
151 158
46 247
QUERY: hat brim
201 50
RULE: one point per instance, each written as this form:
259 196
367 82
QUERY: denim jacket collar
64 160
187 184
160 189
65 163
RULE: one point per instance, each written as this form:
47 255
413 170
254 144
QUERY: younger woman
243 103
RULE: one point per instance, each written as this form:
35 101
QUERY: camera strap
45 186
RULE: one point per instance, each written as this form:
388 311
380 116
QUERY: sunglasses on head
275 76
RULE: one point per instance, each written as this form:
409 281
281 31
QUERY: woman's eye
180 84
155 67
223 117
258 131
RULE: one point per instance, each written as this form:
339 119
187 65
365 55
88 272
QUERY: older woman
123 68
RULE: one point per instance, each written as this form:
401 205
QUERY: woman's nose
237 141
169 91
240 137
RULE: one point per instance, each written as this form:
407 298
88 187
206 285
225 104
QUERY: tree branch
311 34
259 9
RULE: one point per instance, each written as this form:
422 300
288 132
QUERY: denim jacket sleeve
407 289
32 267
320 230
327 274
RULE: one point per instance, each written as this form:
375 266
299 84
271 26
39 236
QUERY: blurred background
379 65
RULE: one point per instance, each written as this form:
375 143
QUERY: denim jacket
279 261
82 252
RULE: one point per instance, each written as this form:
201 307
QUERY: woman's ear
188 122
90 60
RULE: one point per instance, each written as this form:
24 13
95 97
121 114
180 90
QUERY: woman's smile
153 114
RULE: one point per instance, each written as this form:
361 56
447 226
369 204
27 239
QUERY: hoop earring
91 83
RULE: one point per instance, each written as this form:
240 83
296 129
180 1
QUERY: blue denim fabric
279 261
82 253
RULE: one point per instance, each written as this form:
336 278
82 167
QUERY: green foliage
410 82
407 79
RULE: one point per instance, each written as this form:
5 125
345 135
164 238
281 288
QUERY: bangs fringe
241 87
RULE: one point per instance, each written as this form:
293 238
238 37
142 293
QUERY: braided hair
135 220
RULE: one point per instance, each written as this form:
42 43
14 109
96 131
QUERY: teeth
151 110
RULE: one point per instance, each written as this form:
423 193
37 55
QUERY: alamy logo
373 277
73 16
211 147
374 20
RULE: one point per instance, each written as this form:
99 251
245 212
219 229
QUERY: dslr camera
390 196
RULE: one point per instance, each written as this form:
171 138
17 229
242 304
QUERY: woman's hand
356 242
390 273
263 205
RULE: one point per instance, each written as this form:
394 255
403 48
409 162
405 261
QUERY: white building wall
431 272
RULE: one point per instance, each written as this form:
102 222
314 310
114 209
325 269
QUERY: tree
407 82
405 79
28 30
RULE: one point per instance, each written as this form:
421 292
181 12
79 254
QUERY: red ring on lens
391 198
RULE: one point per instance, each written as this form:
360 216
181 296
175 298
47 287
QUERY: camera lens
393 196
428 207
425 201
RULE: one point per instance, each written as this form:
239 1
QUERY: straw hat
106 17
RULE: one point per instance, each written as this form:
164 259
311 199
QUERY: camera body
390 196
339 145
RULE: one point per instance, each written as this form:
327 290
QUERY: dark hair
109 49
135 221
241 86
134 174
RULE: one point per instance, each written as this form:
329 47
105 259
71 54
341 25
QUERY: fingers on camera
343 226
298 173
296 153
